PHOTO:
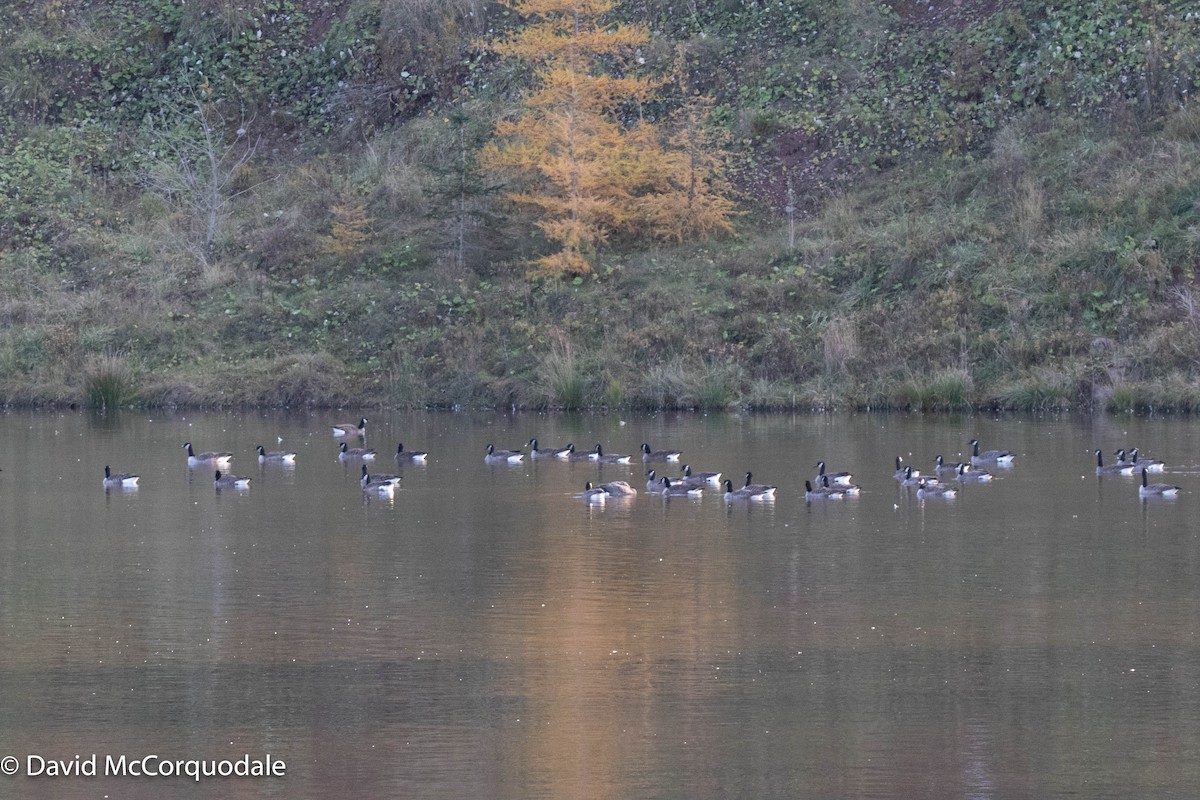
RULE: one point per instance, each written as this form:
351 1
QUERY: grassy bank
1054 271
1042 257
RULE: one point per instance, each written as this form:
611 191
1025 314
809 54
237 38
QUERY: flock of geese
220 461
944 480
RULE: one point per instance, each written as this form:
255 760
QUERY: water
486 633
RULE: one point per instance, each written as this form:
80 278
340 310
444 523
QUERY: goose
574 455
998 456
821 492
350 429
678 489
223 481
384 488
1120 468
834 477
495 456
1137 461
205 459
927 489
367 477
546 452
654 483
276 457
593 494
943 468
902 472
415 456
660 455
1148 464
618 488
968 474
348 453
700 478
758 488
748 492
913 478
848 489
1156 489
119 480
609 458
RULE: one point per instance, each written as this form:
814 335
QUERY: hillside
984 203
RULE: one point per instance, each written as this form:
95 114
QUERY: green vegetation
109 383
282 202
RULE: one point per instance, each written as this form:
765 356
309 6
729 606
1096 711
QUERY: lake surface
486 633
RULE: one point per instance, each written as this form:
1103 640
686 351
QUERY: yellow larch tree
690 197
572 161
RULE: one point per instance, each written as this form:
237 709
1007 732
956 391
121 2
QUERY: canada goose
659 455
594 495
731 495
927 489
700 478
835 478
913 478
1003 457
1137 461
944 468
119 480
223 481
348 453
276 457
1120 468
968 474
679 489
546 452
575 455
902 472
1148 464
848 489
415 456
1156 489
618 488
495 456
367 477
383 488
350 429
654 482
206 459
609 458
749 492
757 488
820 492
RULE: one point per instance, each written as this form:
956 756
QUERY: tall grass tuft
1179 393
664 386
1039 390
109 382
614 394
948 390
715 387
562 376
